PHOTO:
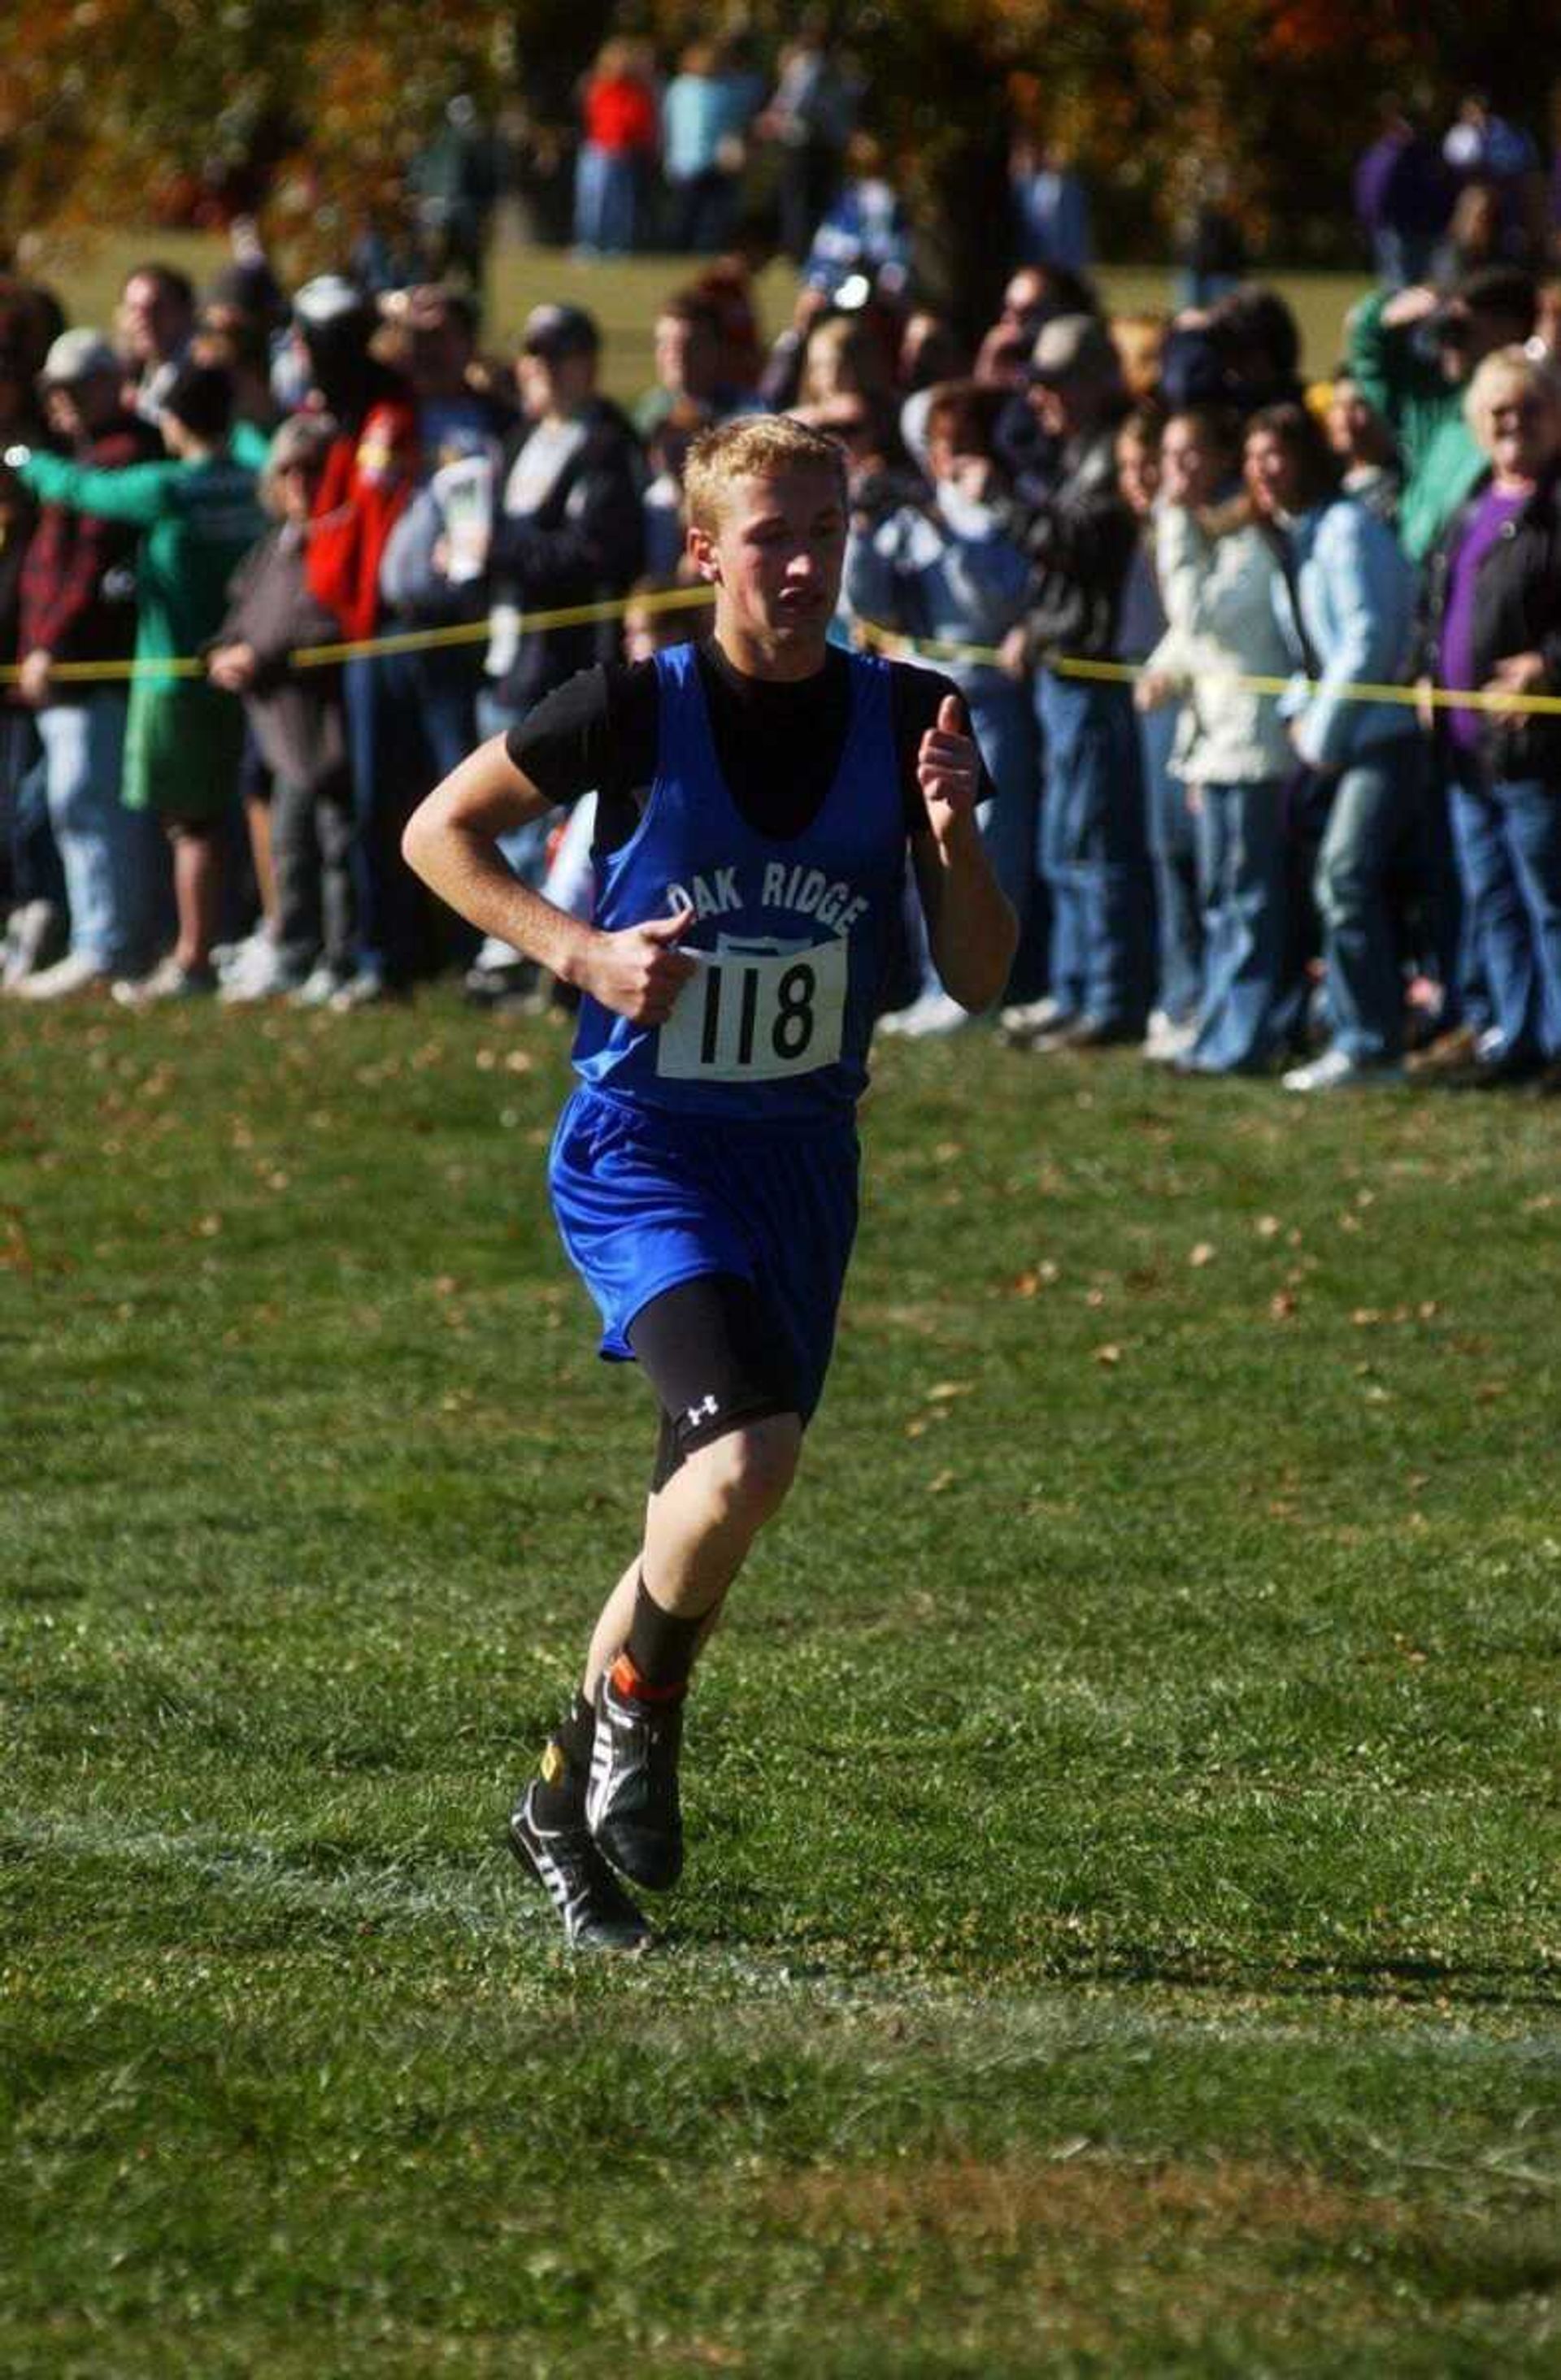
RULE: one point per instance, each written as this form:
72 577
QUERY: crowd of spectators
1161 568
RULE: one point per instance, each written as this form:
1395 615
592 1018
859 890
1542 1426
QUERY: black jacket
1517 609
1080 538
583 544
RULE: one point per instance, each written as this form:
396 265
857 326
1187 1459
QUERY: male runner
754 798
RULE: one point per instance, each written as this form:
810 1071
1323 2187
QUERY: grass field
1121 1934
624 294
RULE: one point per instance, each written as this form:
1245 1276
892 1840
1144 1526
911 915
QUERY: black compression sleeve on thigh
716 1360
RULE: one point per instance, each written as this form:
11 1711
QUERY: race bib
755 1012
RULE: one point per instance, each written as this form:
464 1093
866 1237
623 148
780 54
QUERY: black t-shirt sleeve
597 733
916 693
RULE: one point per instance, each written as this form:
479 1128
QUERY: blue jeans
1451 950
606 200
33 863
1403 258
1508 833
1371 840
410 718
84 753
1242 868
1003 723
1173 850
1093 853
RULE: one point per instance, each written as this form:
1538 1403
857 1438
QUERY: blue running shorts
646 1199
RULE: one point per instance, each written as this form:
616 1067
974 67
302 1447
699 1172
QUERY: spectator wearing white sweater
1216 572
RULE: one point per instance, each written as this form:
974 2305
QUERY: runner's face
776 557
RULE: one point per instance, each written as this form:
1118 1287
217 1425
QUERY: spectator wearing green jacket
1412 354
198 518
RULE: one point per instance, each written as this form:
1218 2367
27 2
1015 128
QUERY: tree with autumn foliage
147 109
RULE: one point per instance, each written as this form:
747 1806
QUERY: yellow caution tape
575 616
1432 698
412 640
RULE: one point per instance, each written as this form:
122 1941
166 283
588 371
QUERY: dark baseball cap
559 331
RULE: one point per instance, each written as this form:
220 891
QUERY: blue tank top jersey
791 935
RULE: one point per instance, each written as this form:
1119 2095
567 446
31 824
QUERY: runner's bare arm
452 842
970 926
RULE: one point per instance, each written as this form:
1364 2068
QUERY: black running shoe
631 1800
597 1912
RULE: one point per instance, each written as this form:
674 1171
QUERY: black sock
661 1646
559 1798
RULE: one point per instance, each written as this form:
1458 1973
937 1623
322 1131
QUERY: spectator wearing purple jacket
1404 195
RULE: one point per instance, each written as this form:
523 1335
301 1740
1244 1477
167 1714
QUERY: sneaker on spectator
76 972
1165 1041
1089 1032
1336 1070
318 988
168 980
508 984
229 958
35 937
1448 1053
367 989
1032 1018
928 1017
263 974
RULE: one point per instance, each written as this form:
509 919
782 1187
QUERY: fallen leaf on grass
16 1254
941 1391
1282 1305
944 1480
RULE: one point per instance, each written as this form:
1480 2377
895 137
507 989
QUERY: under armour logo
706 1410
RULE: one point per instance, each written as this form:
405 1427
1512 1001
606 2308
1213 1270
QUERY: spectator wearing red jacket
369 473
621 116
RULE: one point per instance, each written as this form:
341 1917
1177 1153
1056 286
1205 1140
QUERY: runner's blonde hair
755 446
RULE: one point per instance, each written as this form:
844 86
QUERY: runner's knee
747 1472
